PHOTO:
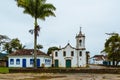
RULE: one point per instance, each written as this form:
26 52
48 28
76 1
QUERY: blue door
38 62
24 63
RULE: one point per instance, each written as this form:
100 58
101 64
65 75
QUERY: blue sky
96 17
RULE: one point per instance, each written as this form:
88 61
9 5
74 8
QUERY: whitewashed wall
82 59
62 59
42 61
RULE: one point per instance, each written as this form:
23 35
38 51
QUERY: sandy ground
52 76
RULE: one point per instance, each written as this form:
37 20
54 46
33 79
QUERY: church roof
27 52
73 47
68 45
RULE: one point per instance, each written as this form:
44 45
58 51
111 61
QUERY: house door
24 63
68 63
38 62
56 63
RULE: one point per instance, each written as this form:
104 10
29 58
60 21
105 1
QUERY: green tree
39 46
3 39
38 9
112 48
50 49
7 47
13 45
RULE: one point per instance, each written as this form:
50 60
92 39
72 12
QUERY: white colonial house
98 59
24 58
69 56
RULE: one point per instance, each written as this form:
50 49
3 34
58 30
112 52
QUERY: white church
69 56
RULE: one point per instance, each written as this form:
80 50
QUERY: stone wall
53 70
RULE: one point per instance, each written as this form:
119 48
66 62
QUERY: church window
80 54
64 53
80 41
72 53
56 54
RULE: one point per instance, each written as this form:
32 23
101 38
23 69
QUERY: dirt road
58 76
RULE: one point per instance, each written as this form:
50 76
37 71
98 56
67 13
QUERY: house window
11 61
31 61
17 61
47 61
72 53
80 54
64 53
56 54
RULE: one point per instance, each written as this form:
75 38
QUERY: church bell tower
80 40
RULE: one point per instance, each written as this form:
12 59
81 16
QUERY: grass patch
4 70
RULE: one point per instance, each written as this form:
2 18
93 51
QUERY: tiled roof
27 52
100 57
80 35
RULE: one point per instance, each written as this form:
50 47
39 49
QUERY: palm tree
38 9
39 46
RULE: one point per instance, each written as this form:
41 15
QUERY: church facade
69 56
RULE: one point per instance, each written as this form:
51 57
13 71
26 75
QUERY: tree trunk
113 63
35 36
35 43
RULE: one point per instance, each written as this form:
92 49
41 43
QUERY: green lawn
4 70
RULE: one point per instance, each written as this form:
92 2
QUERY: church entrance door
68 63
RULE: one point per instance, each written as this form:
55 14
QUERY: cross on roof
80 30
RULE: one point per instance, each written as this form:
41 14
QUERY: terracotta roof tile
27 52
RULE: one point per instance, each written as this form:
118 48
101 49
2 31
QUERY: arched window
56 54
17 61
80 41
